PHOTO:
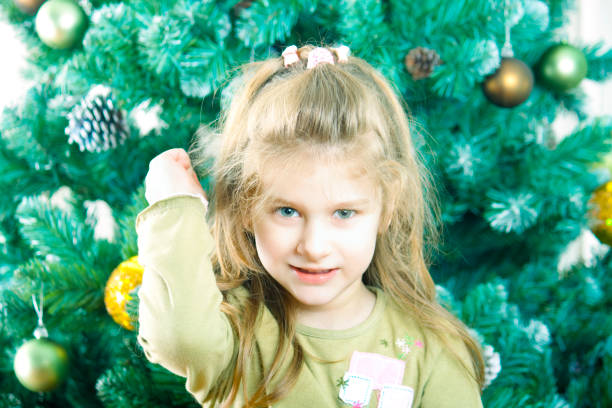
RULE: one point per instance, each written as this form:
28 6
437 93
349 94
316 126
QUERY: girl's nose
314 243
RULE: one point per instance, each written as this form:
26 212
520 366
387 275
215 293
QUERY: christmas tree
483 81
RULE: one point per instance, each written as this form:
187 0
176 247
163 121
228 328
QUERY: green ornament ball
562 67
41 365
61 23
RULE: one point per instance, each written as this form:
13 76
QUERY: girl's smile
315 277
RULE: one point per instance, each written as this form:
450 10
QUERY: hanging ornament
601 213
562 67
95 124
61 23
29 6
123 281
420 62
41 364
511 84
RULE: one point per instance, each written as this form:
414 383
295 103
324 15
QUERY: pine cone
420 62
96 125
241 5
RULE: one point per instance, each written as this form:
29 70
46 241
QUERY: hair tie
290 55
319 56
342 52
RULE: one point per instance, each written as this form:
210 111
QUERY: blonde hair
344 107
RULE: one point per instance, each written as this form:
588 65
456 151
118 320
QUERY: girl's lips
314 276
311 270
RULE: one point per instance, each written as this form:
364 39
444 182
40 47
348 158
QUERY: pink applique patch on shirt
382 369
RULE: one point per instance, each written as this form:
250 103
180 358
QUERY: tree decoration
512 83
123 281
95 124
29 6
41 364
601 213
61 23
241 5
562 67
421 61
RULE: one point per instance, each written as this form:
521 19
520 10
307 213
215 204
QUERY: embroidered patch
406 345
356 390
341 383
382 369
396 396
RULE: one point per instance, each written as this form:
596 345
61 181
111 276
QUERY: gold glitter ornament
124 279
601 213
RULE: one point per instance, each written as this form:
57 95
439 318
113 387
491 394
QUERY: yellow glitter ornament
124 279
601 213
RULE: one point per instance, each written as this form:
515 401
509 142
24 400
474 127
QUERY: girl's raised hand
170 173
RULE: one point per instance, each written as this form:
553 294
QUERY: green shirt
388 359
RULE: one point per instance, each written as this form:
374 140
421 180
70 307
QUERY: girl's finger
181 156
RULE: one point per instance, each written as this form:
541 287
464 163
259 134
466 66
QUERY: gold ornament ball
60 23
41 365
510 85
601 213
29 6
124 279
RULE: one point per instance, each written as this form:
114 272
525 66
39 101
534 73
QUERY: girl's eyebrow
356 203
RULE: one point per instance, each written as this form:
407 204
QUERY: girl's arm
180 324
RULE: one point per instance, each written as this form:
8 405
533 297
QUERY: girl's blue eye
344 214
287 212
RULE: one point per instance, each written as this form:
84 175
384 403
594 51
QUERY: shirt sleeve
449 385
181 326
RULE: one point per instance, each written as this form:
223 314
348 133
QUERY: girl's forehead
306 163
304 178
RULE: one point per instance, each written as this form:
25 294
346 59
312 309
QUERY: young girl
311 288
